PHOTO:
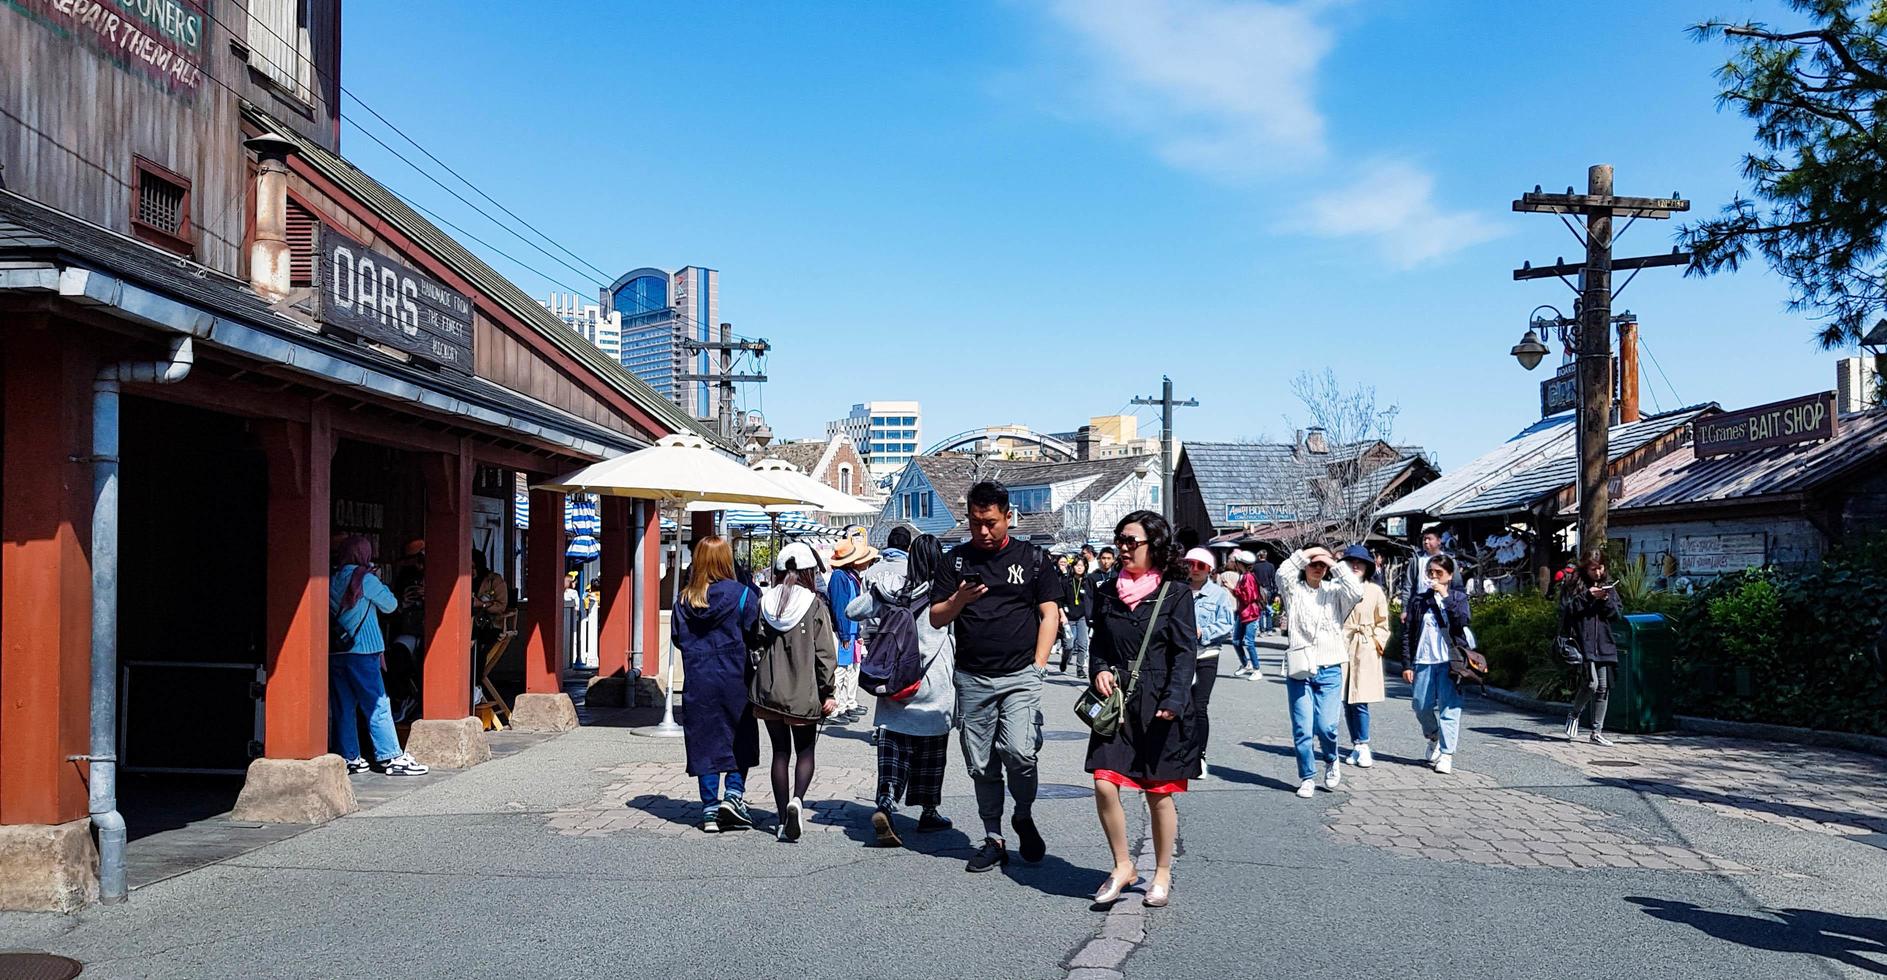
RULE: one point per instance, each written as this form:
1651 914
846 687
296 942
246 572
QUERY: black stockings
789 741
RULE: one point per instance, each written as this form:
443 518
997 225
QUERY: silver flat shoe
1110 892
1158 897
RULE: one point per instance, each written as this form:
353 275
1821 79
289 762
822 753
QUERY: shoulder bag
1465 664
1103 714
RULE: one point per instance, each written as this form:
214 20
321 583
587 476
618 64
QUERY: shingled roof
1286 476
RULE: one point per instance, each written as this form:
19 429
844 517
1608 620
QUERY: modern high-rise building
593 323
659 311
887 433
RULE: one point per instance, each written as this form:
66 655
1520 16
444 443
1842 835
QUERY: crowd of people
962 639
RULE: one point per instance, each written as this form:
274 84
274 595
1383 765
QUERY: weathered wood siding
498 355
72 118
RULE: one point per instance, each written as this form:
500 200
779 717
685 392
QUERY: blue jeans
1356 716
1245 641
1437 705
1315 703
355 687
711 787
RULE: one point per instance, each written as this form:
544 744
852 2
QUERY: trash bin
1641 694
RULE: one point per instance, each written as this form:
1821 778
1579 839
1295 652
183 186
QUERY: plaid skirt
911 768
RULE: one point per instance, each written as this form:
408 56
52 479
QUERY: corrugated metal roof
1681 478
1528 447
487 280
1523 488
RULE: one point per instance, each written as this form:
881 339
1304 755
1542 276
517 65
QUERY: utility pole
1167 404
1594 351
725 379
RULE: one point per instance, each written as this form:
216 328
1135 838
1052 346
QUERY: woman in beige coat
1366 633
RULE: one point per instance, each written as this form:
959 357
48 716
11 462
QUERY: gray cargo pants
1001 718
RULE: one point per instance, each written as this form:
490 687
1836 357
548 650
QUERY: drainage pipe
103 804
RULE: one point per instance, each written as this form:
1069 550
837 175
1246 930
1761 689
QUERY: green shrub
1516 633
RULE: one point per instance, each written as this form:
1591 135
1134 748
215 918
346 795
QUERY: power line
1667 380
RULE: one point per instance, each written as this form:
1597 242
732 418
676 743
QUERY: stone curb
1123 929
1869 744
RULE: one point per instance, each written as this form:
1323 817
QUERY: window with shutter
301 245
278 45
160 207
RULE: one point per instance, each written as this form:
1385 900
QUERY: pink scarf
1134 587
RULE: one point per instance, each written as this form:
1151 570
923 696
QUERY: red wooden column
301 459
446 688
649 585
615 627
543 572
45 579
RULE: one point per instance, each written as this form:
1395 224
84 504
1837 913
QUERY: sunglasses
1128 541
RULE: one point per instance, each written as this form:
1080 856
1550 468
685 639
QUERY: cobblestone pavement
1415 813
662 798
1825 791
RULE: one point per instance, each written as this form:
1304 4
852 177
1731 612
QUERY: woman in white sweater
1319 591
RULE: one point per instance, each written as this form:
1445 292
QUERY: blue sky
1027 212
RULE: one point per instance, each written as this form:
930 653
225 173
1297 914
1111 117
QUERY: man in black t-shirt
1001 597
1267 575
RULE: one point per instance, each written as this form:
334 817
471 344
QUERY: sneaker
1307 789
1572 728
930 821
1445 764
1029 840
733 814
402 765
357 764
791 825
709 825
988 857
1242 671
1598 738
1257 674
1360 756
881 825
1333 774
1434 751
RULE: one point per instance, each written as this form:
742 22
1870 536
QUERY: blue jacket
841 589
1216 613
360 620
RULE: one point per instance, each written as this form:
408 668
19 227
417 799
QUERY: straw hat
852 551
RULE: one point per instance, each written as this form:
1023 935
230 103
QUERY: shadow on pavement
1514 734
1286 751
1842 938
1781 808
1224 773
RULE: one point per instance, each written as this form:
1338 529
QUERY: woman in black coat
1155 749
1588 605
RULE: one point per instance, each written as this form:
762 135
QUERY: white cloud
1226 88
1221 88
1394 203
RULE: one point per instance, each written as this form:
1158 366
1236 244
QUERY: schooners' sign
1811 418
384 300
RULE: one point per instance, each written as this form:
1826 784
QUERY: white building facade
593 323
887 433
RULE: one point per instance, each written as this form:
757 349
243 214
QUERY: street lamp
1531 350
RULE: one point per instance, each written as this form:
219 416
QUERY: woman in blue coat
709 630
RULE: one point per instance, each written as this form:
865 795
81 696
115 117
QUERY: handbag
1103 714
1465 664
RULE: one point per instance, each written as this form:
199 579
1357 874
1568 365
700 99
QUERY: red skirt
1144 786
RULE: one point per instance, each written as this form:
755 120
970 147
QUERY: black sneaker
930 821
733 814
709 826
887 835
1029 840
990 856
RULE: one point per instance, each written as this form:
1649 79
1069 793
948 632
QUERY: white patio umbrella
677 471
822 497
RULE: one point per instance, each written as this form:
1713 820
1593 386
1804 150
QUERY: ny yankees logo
1015 575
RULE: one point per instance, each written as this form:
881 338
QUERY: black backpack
892 667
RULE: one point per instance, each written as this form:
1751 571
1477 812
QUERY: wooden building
221 345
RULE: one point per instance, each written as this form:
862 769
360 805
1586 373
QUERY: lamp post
1530 351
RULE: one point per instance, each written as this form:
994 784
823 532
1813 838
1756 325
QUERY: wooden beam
1528 270
1618 206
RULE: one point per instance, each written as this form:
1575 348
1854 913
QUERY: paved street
1667 856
